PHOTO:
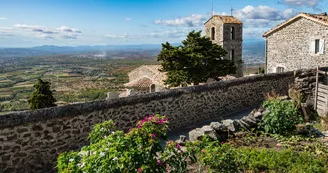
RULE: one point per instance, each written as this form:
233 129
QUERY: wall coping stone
23 117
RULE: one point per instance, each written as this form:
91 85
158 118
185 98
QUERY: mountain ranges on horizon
251 49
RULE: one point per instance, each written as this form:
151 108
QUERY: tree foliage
42 96
196 60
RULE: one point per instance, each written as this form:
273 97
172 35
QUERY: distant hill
253 51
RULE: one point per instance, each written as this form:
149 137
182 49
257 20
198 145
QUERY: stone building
145 79
227 31
297 43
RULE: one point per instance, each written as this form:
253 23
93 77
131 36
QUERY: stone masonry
290 46
222 36
30 141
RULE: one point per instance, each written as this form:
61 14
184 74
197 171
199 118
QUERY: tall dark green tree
42 96
196 60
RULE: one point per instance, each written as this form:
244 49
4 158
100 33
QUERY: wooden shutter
312 47
321 46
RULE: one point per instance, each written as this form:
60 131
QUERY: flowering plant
139 150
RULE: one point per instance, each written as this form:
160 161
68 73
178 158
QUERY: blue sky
27 23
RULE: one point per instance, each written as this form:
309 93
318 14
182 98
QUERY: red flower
139 170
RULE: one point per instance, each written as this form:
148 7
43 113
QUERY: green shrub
139 150
281 118
220 159
269 160
217 157
101 131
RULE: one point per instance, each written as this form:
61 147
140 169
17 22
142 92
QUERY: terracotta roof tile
143 82
225 19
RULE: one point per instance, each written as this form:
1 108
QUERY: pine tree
42 96
196 60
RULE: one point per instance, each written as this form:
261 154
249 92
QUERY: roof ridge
301 14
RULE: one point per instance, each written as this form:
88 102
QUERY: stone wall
30 141
290 46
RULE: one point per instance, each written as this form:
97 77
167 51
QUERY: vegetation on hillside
195 61
73 78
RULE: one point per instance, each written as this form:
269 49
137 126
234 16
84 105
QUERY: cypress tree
42 96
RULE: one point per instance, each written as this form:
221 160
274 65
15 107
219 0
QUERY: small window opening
232 55
213 33
232 33
280 70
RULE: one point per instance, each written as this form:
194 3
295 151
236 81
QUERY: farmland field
73 79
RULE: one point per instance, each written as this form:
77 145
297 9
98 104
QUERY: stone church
227 31
298 43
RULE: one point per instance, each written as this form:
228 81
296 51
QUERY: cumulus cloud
263 16
50 33
302 3
67 29
193 20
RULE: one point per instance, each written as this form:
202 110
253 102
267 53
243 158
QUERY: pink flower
166 119
153 135
139 170
115 123
178 146
139 126
160 122
159 162
203 151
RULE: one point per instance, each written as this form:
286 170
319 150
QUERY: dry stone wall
30 141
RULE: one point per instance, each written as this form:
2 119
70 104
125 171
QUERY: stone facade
30 141
292 45
223 27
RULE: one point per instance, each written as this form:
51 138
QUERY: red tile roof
143 82
225 19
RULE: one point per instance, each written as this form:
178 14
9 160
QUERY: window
232 33
213 33
280 70
317 46
232 55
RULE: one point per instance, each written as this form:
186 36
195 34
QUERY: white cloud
50 33
302 3
263 16
3 18
67 29
128 18
193 20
